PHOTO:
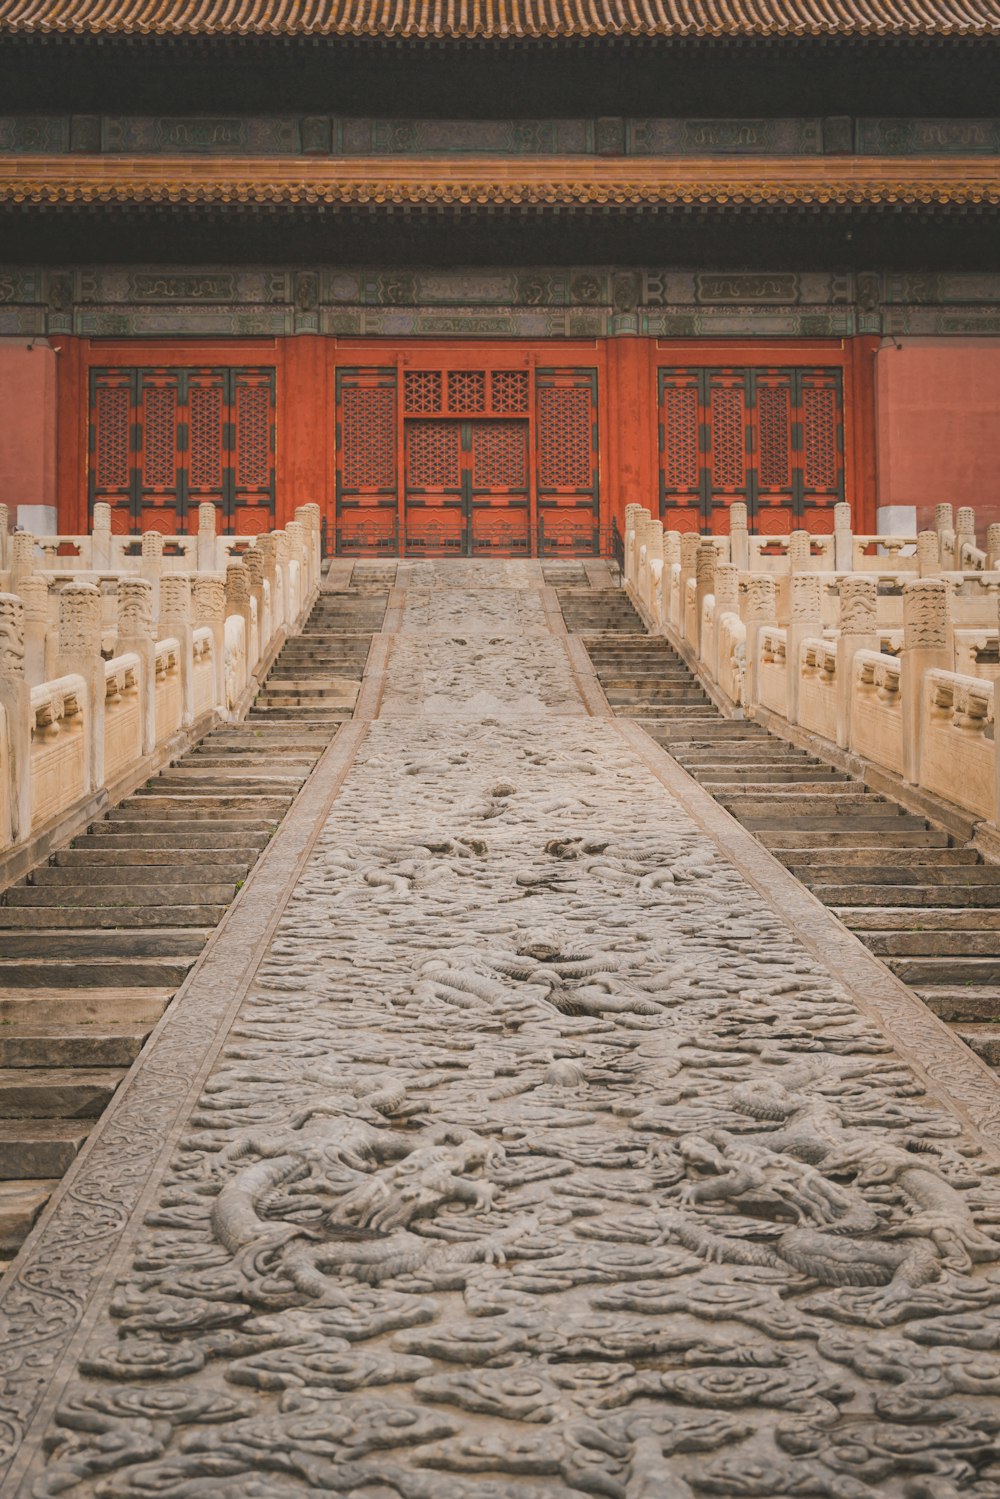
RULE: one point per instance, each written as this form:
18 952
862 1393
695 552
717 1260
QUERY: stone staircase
94 943
914 892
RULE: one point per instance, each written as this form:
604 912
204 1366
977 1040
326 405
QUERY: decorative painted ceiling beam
483 181
505 19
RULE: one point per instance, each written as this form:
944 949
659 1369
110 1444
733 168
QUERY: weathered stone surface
542 1157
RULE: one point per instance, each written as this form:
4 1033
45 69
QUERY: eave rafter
543 182
502 19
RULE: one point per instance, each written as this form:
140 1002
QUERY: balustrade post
207 518
208 600
928 554
690 542
761 610
843 539
253 567
238 603
993 547
928 642
631 550
22 559
34 594
706 559
799 552
100 538
310 518
175 623
4 538
739 537
858 632
137 636
727 601
15 699
965 532
296 544
805 621
151 565
80 654
944 525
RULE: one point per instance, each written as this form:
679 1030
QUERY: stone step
33 1149
929 918
778 824
917 971
898 874
154 942
821 802
983 1039
652 711
166 866
751 778
937 942
102 892
109 917
217 840
150 827
71 1046
778 789
68 1007
958 1002
908 895
203 802
29 972
791 840
57 1092
20 1204
803 862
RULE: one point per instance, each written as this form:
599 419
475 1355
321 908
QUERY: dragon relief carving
542 1159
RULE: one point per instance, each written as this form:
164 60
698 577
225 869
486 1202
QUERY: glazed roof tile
506 18
541 183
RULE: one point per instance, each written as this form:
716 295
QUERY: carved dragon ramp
540 1158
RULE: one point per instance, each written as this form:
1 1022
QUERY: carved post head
135 609
705 562
928 553
993 543
266 547
283 547
631 516
237 592
175 602
296 536
842 517
727 589
943 518
690 542
253 566
965 523
4 520
737 516
671 548
799 551
807 598
102 518
208 595
22 554
34 592
761 599
11 638
858 605
80 622
926 614
207 515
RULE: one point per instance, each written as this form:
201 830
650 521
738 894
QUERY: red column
860 476
630 473
305 435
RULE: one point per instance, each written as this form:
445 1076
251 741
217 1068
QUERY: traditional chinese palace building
474 274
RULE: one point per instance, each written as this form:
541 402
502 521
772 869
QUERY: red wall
28 427
938 404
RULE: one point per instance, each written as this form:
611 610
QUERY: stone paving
532 1150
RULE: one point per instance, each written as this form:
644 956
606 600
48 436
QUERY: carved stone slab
539 1154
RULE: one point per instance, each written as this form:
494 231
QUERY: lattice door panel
770 437
111 445
497 466
162 441
252 426
567 461
436 501
367 460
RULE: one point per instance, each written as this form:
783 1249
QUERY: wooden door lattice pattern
163 441
773 438
467 461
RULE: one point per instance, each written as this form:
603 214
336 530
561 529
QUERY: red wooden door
496 465
436 523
